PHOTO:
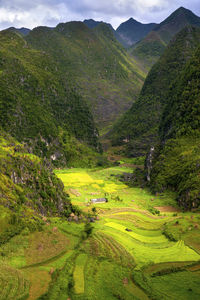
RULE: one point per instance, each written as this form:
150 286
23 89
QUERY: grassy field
78 274
83 185
131 253
126 228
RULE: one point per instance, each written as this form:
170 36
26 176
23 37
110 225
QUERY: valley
137 245
100 160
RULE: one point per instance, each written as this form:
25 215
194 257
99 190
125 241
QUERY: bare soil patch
74 192
167 209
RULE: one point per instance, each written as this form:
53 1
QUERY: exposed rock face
27 180
148 163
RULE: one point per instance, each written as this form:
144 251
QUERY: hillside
28 189
138 128
151 47
96 65
176 159
133 31
40 107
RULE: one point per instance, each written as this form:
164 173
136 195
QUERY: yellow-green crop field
130 238
84 185
130 254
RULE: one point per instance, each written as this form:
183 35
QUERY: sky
33 13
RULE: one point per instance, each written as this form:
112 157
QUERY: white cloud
30 14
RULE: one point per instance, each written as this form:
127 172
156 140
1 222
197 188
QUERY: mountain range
100 69
60 86
150 48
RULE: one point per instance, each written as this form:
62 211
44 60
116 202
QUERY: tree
88 229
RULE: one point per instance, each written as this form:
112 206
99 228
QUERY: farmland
133 250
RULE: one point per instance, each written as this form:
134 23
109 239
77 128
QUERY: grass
105 280
45 245
103 182
13 285
78 274
152 253
145 239
102 245
39 282
180 285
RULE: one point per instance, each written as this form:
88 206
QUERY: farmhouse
99 200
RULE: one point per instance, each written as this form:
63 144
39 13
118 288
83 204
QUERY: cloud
30 14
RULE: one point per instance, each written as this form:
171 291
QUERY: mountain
175 22
138 128
23 31
151 47
92 23
148 50
97 66
176 158
40 107
132 31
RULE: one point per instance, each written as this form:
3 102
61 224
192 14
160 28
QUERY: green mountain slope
148 50
92 24
176 159
132 31
138 129
95 63
152 46
40 107
28 189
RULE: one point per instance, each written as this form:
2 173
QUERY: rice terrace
129 250
134 250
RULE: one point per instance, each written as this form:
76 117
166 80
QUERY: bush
88 229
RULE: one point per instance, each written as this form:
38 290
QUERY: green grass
180 285
101 245
105 281
12 284
145 239
97 183
78 274
145 254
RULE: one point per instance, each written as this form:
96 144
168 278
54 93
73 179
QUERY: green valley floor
137 246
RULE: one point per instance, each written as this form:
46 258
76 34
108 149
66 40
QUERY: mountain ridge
131 31
152 46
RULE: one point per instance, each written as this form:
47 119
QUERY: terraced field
130 254
127 239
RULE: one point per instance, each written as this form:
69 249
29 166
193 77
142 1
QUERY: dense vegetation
176 163
95 64
26 181
138 128
40 107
